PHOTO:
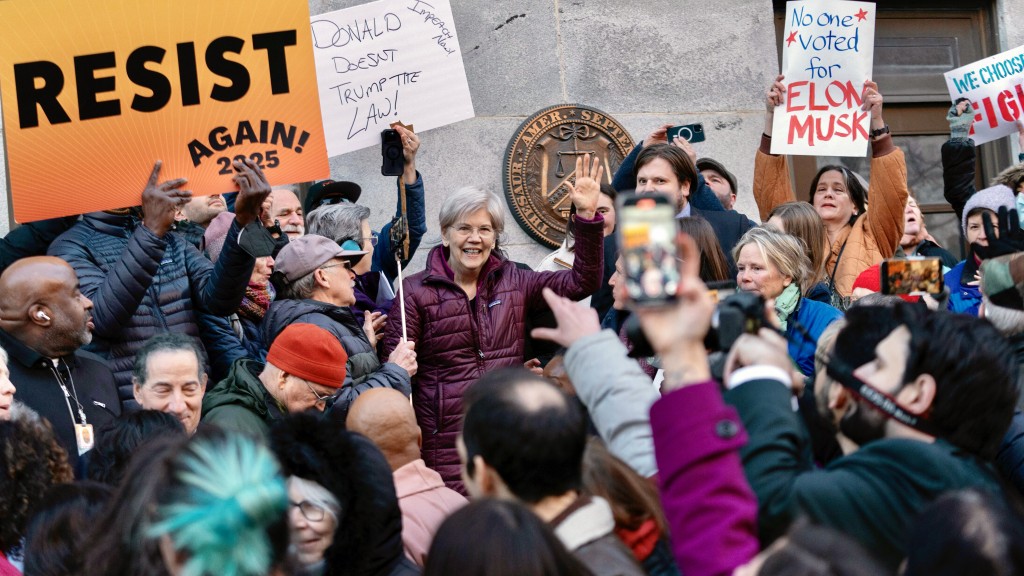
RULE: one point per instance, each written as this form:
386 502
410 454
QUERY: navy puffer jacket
457 341
141 285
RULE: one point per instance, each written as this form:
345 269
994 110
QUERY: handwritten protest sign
995 87
385 61
826 57
95 92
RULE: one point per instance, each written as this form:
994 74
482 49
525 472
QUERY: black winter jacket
363 369
142 285
958 165
83 375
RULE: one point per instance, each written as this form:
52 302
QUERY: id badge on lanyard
85 438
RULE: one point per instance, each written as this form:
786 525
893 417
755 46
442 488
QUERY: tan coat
874 236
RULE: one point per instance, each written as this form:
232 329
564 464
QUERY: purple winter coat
457 342
710 508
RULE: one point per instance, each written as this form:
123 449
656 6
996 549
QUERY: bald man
386 417
44 320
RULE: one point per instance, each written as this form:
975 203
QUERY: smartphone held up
912 276
692 133
647 236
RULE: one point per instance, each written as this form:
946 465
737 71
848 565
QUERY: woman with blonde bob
774 265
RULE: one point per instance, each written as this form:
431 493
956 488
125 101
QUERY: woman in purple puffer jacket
466 310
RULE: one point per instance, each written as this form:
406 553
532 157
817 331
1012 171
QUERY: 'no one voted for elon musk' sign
826 57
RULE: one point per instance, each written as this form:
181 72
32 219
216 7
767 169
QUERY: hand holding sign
872 99
253 189
161 201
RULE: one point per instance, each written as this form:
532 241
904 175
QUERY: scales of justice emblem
541 158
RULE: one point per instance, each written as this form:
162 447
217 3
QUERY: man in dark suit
667 169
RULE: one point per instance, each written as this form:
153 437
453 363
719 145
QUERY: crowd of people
239 385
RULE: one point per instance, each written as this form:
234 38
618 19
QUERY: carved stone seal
541 158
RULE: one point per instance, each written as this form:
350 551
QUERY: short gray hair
302 288
468 200
339 222
314 493
3 356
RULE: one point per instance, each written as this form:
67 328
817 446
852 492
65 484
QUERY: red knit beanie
870 279
309 352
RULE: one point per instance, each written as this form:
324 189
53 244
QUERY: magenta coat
710 508
458 341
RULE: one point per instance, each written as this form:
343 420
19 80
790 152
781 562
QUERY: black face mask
865 421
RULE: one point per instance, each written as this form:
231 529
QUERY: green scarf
785 304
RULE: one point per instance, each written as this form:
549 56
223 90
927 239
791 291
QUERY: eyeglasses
467 230
345 263
324 400
373 238
310 511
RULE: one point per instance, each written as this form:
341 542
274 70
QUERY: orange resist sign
95 92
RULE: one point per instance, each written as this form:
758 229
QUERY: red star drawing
861 15
791 39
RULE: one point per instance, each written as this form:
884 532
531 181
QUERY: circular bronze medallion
541 158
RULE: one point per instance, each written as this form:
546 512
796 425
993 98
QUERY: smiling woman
466 311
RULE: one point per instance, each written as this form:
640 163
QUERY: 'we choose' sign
386 61
827 52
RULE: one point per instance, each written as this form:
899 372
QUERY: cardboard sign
385 61
95 92
826 57
995 87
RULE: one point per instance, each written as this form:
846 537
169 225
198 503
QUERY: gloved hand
1009 238
960 123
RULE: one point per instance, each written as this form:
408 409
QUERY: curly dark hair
31 461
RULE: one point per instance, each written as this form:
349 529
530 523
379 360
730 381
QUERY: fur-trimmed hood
1011 177
368 539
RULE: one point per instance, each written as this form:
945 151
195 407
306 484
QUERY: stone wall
644 63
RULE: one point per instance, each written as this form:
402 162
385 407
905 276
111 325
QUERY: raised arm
416 214
772 185
117 293
711 511
887 191
959 158
587 270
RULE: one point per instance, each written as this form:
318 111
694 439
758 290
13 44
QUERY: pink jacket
425 503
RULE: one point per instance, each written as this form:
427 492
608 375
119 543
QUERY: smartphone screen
648 244
911 276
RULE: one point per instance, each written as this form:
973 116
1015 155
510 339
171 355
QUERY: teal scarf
785 304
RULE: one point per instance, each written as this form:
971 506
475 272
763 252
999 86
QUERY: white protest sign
995 87
826 57
386 61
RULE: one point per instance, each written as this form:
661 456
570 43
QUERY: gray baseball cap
307 253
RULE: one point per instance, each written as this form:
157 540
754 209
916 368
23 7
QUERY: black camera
740 313
392 153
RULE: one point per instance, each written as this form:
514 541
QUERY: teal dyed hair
223 496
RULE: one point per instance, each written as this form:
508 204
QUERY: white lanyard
68 396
